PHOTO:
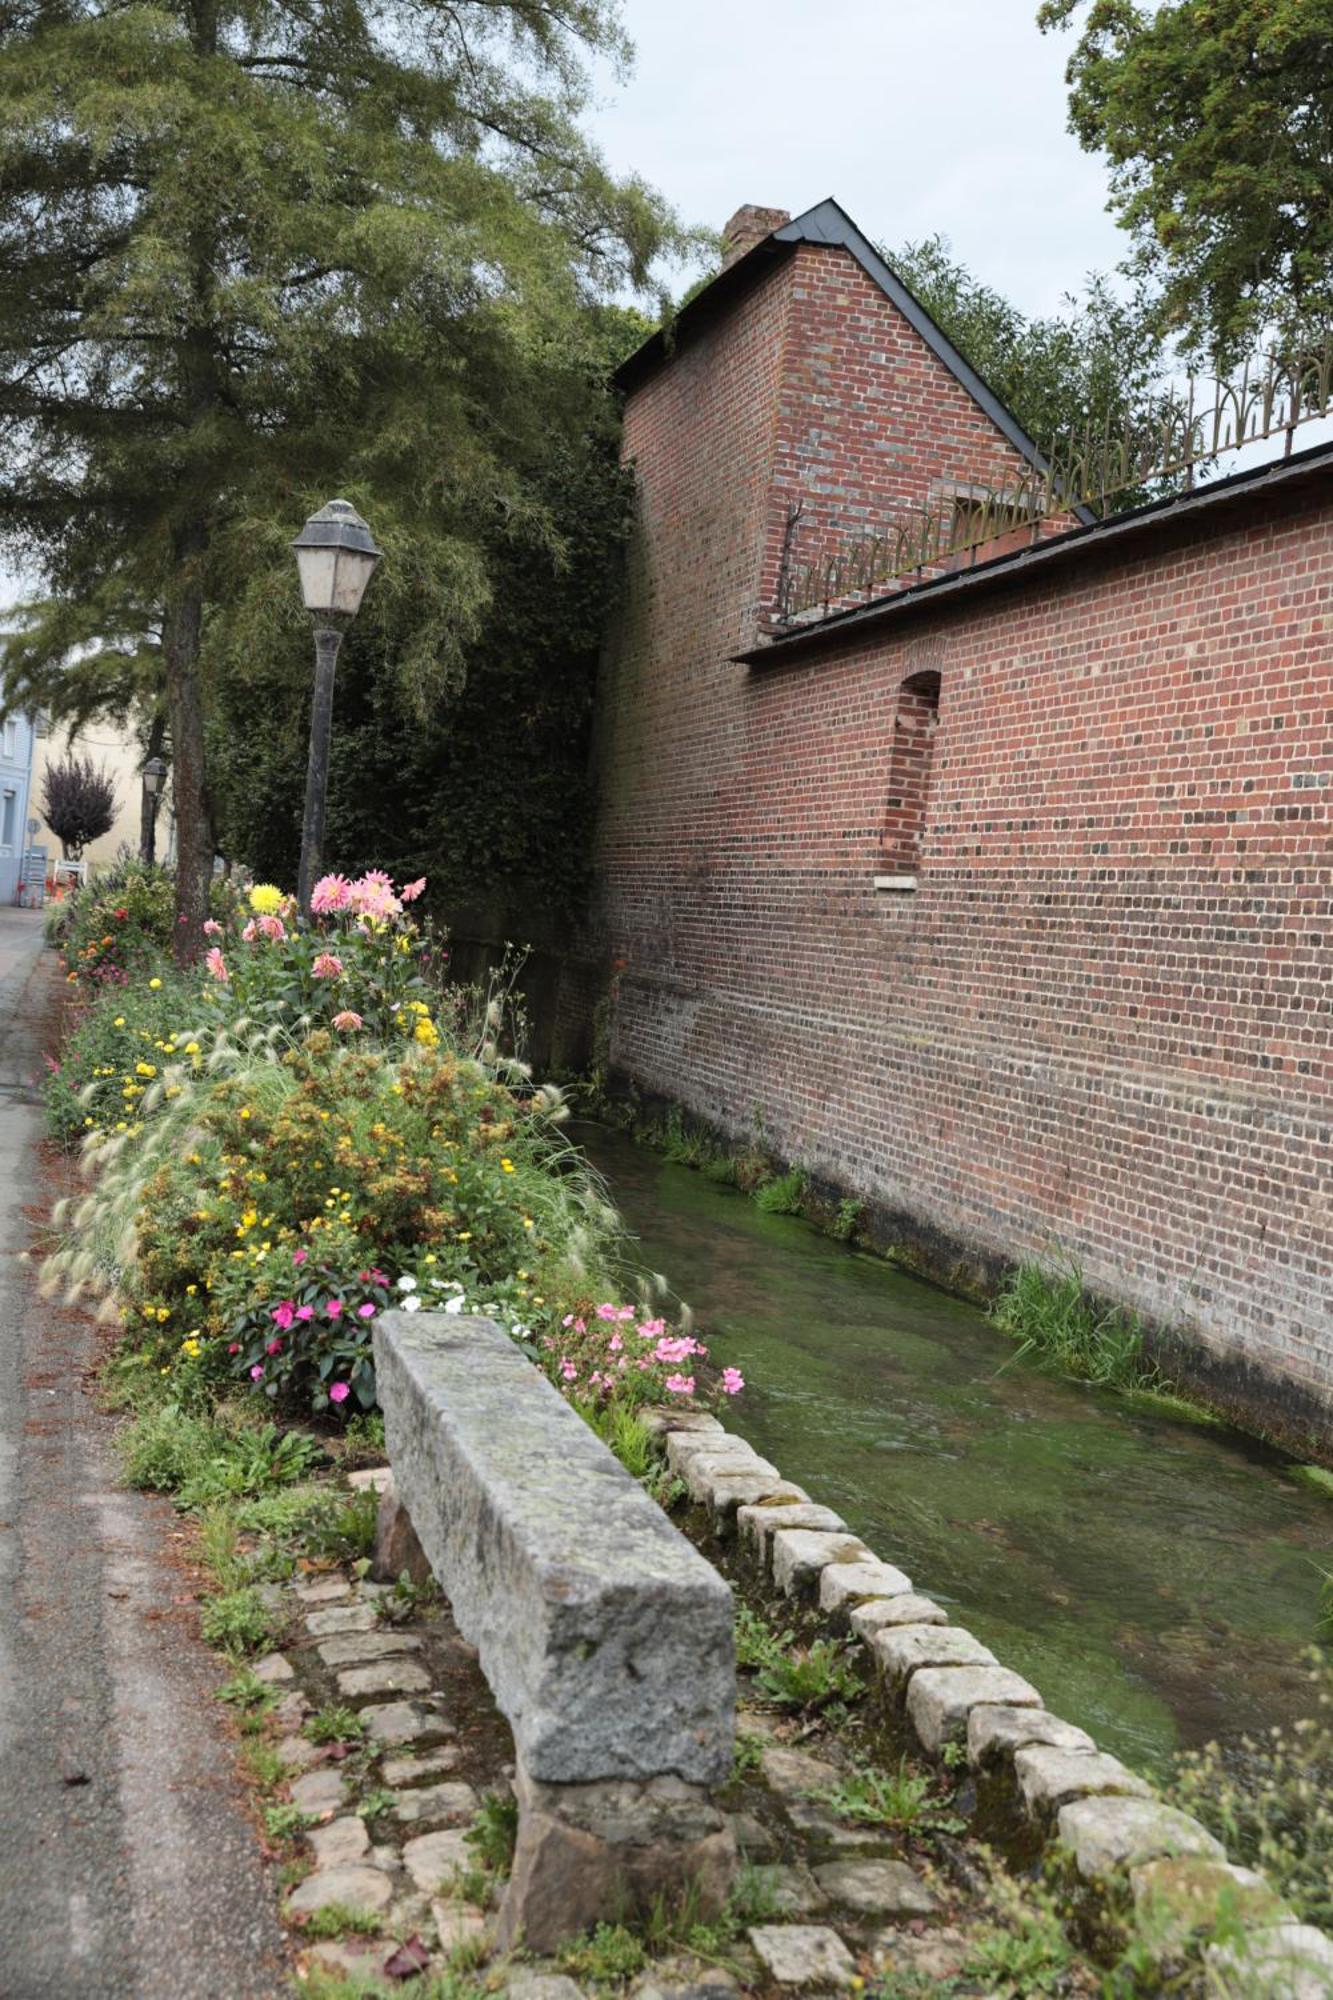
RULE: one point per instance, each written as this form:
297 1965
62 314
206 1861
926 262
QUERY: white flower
412 1304
407 1283
455 1305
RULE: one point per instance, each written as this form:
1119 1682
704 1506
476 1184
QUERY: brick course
1103 1018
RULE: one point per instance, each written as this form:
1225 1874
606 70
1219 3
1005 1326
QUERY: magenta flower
333 1308
367 1311
299 1256
283 1314
256 1373
680 1385
348 1021
338 1392
615 1343
327 965
305 1312
411 890
217 965
608 1312
651 1328
732 1381
568 1370
331 892
274 1347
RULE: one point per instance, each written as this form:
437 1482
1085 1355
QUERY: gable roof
827 223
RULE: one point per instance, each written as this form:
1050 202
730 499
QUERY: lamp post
154 771
335 554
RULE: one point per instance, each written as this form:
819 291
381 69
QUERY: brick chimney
748 226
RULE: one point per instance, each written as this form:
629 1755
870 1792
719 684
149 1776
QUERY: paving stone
319 1791
298 1753
707 1468
933 1955
529 1984
901 1649
341 1618
360 1888
328 1590
384 1677
353 1957
939 1699
289 1713
823 1831
685 1979
273 1669
754 1841
841 1585
909 1609
660 1419
803 1955
411 1770
876 1888
683 1447
759 1722
794 1891
1174 1897
432 1858
371 1479
996 1732
446 1805
799 1554
1287 1961
725 1490
348 1649
394 1722
340 1843
1106 1834
1049 1777
792 1774
458 1924
758 1524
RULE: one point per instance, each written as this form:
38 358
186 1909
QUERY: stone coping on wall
1103 1821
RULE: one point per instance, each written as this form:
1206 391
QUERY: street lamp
335 553
154 771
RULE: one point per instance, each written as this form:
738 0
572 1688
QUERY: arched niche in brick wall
914 724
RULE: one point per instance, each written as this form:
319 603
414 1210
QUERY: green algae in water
1157 1579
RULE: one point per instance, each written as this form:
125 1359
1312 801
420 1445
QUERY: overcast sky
917 115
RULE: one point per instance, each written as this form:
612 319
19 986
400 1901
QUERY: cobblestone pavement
129 1864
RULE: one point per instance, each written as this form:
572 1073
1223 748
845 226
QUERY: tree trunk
185 713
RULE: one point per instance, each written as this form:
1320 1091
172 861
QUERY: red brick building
1005 898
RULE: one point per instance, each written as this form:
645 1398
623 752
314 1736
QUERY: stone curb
1103 1819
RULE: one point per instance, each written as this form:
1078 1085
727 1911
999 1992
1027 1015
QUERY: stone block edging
1104 1819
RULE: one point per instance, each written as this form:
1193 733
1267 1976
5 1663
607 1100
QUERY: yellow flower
192 1048
190 1347
245 1111
426 1032
507 1166
119 1021
145 1069
265 900
192 1289
249 1218
154 985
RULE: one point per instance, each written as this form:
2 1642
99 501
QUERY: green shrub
1050 1315
238 1621
115 1054
782 1195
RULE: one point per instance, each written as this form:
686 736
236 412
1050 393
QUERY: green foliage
1214 115
238 1621
623 1430
844 1224
99 1084
747 1755
612 1954
338 1920
1269 1800
804 1677
284 1821
334 1724
494 1831
782 1195
1048 1312
902 1799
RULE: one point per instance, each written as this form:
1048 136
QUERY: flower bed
312 1126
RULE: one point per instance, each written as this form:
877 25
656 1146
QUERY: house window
11 739
909 779
8 814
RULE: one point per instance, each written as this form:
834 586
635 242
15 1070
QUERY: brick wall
1103 1016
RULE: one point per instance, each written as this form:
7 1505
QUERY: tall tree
1217 119
253 254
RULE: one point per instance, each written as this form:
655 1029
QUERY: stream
1158 1580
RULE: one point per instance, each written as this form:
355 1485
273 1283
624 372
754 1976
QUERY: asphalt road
128 1863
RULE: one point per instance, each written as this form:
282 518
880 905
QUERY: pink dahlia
327 965
212 928
411 890
331 892
347 1021
217 965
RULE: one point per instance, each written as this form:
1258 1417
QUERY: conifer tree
252 255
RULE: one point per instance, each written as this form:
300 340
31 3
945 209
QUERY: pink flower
250 933
256 1373
680 1385
673 1352
274 1347
274 928
347 1021
373 895
299 1256
339 1392
331 892
333 1308
217 965
614 1344
608 1312
283 1314
327 965
732 1381
212 928
651 1328
235 1347
305 1312
411 890
568 1370
367 1311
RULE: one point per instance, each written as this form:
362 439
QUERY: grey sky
917 115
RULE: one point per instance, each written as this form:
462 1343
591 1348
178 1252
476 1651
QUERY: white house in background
118 752
17 742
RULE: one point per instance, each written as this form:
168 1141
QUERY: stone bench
605 1637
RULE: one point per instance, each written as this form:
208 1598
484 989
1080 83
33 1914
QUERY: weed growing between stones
334 1725
806 1677
494 1831
904 1800
238 1622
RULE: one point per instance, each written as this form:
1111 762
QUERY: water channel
1157 1580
